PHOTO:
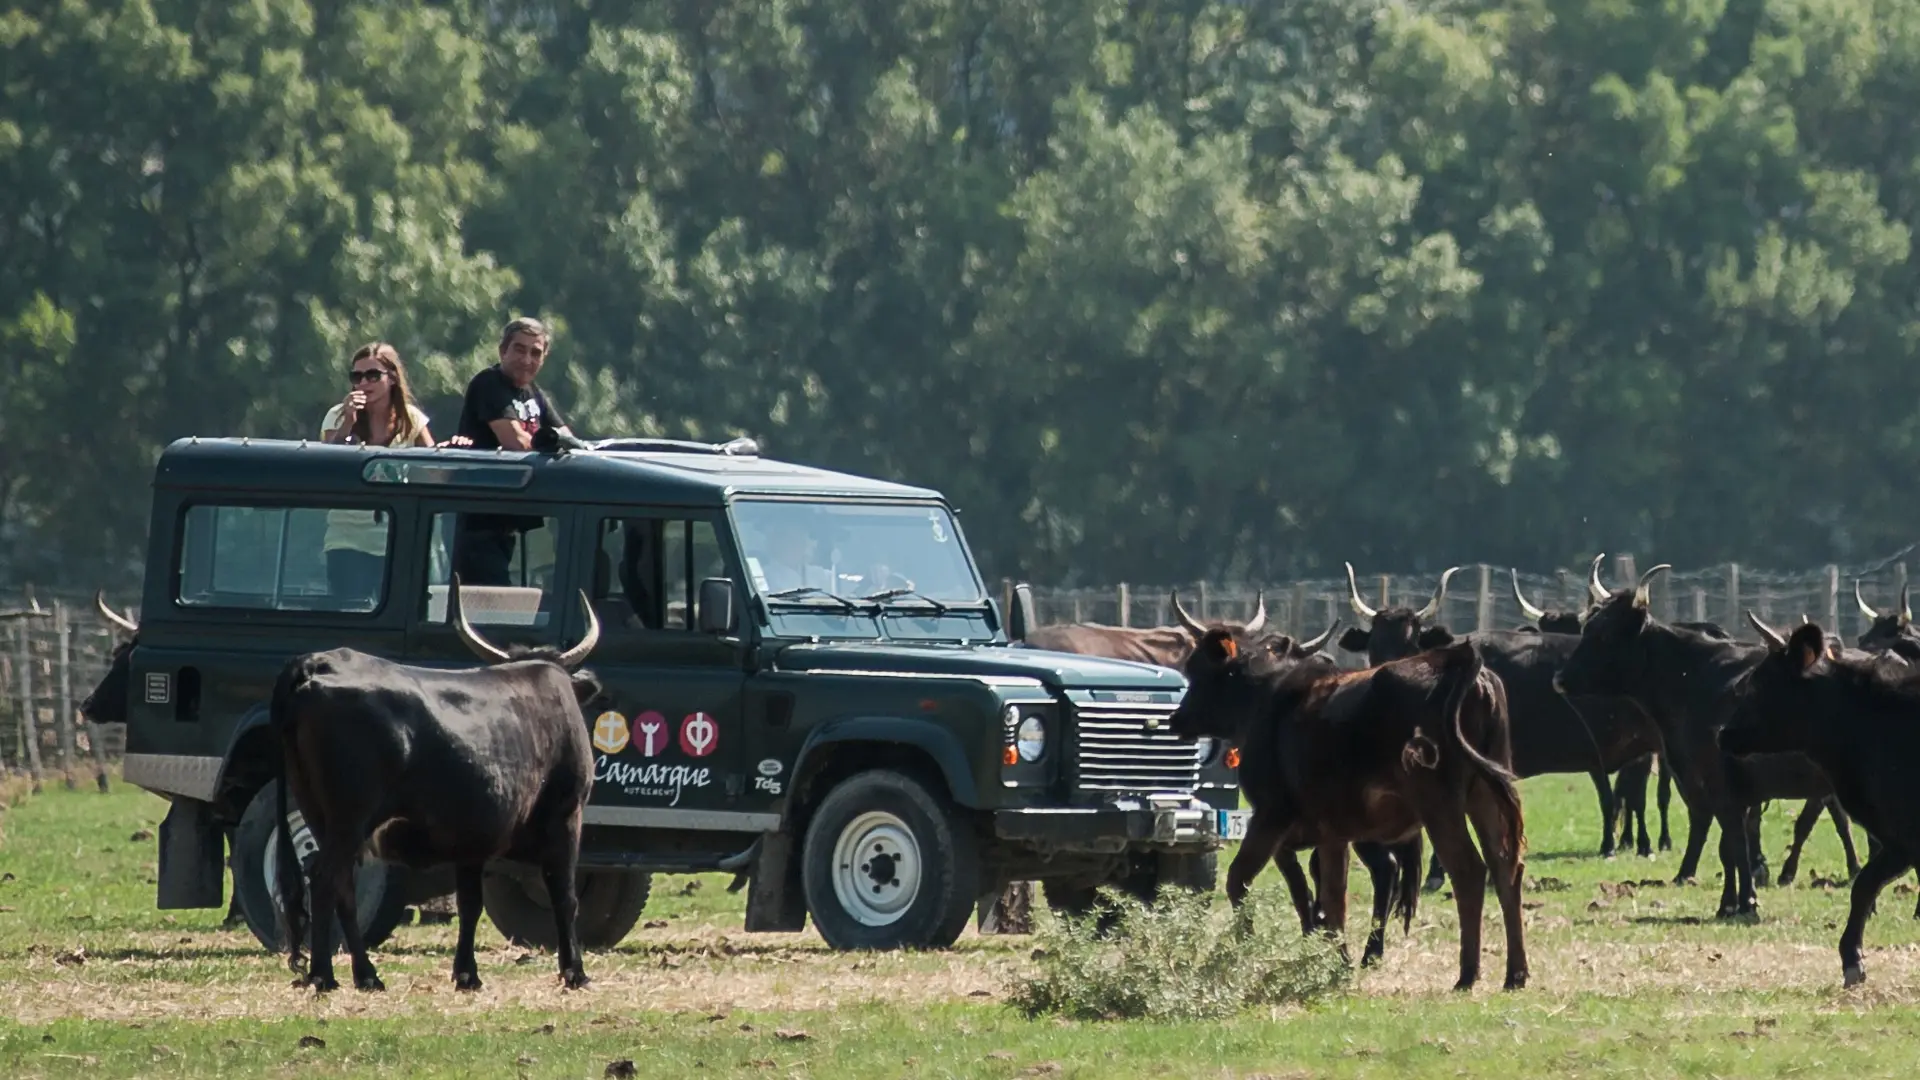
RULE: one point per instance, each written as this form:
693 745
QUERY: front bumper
1188 824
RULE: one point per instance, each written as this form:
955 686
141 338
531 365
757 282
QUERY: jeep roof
674 474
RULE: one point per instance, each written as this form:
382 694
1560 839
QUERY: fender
254 719
938 742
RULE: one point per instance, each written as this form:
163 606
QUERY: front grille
1118 752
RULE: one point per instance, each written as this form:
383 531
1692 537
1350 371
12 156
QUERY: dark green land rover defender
808 681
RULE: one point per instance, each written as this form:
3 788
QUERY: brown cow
1333 757
1161 646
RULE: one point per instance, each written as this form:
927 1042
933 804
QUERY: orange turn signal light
1010 756
1233 757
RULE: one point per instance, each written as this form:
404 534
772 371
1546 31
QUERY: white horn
1439 594
1771 635
573 657
1906 609
1643 592
1864 609
1526 609
1316 644
1193 626
1594 588
484 649
1259 620
1360 607
121 621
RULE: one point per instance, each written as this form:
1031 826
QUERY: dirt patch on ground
711 972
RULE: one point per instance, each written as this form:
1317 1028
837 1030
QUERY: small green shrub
1183 958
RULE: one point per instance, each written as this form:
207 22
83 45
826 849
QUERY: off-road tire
379 886
611 902
891 810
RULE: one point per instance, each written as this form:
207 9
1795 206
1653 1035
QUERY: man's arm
510 435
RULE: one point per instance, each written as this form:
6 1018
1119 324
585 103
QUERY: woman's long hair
399 397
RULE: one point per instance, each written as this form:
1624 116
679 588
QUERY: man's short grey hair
524 325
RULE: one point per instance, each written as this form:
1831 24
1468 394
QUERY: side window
648 571
281 558
506 564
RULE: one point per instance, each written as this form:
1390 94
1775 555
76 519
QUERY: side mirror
716 605
1021 619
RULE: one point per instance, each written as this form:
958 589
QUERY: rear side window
285 558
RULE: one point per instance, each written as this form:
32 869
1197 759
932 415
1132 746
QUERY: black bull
1551 734
1392 869
1332 757
1684 679
434 766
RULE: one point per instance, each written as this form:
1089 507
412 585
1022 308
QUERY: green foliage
1158 289
1184 957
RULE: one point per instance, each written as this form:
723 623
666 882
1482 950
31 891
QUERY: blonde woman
377 411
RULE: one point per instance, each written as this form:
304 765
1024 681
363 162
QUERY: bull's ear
1806 646
1355 640
1434 637
1281 646
1219 644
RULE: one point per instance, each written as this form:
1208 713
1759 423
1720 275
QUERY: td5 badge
768 770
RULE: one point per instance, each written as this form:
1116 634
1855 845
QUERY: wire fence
54 648
1481 597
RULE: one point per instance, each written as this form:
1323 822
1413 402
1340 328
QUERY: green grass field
1640 981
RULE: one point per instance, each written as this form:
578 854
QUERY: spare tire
378 886
611 901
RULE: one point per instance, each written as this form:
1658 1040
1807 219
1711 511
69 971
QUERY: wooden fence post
1699 604
1833 597
1297 611
63 657
1202 591
1386 590
1483 604
29 729
1126 606
97 742
1733 596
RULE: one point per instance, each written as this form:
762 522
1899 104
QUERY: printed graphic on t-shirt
526 415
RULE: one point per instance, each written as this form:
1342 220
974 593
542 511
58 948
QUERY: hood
1057 669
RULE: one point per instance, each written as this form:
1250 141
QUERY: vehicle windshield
828 553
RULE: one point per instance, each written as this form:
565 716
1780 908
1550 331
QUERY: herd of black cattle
495 762
1433 734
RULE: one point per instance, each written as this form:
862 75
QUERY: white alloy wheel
876 868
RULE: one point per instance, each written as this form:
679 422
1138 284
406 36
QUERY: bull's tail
1408 902
1461 680
281 719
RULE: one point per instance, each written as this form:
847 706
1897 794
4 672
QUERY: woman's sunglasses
371 375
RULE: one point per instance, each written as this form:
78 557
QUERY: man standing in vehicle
504 410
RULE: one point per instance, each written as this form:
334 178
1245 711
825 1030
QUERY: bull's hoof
574 980
369 983
1433 884
322 984
1787 874
1516 980
1854 974
466 980
1666 844
1466 982
1685 879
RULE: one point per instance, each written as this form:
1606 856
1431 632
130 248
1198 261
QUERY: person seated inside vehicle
787 560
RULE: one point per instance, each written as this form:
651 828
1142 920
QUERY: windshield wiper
894 594
806 590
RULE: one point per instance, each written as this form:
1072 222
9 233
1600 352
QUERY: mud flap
1009 912
193 865
775 901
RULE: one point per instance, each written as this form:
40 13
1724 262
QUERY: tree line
1152 289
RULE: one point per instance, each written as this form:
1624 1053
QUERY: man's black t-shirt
493 396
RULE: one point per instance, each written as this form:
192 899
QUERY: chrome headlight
1031 740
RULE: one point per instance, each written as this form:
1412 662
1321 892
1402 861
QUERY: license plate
1233 823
